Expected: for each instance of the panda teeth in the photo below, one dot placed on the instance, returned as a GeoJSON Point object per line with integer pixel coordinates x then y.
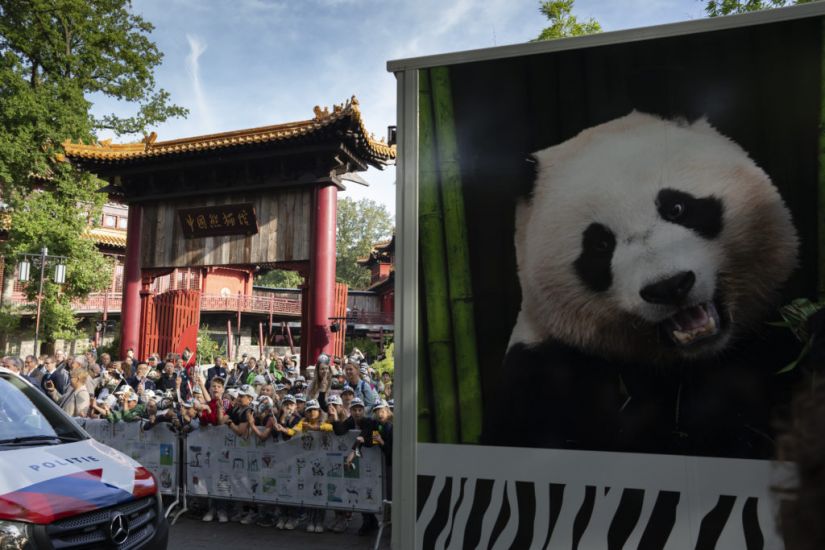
{"type": "Point", "coordinates": [682, 337]}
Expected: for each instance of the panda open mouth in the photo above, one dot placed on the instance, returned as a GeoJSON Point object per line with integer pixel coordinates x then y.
{"type": "Point", "coordinates": [693, 324]}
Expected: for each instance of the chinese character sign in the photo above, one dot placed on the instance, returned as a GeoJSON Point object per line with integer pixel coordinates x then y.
{"type": "Point", "coordinates": [227, 219]}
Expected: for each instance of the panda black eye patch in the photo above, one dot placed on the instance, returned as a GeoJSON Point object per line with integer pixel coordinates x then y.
{"type": "Point", "coordinates": [593, 264]}
{"type": "Point", "coordinates": [704, 215]}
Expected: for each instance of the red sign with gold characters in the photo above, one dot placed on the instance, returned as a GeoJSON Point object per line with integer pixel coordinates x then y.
{"type": "Point", "coordinates": [225, 219]}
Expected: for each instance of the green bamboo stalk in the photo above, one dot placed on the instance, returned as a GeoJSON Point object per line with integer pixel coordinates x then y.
{"type": "Point", "coordinates": [434, 271]}
{"type": "Point", "coordinates": [425, 416]}
{"type": "Point", "coordinates": [458, 252]}
{"type": "Point", "coordinates": [820, 216]}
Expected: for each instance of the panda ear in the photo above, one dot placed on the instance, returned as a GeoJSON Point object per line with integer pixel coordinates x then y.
{"type": "Point", "coordinates": [703, 126]}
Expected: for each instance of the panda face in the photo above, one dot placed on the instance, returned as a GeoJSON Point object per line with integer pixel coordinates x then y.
{"type": "Point", "coordinates": [649, 240]}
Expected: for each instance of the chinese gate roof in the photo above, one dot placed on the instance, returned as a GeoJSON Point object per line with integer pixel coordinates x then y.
{"type": "Point", "coordinates": [344, 122]}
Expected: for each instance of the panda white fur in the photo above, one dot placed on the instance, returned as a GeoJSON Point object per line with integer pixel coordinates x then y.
{"type": "Point", "coordinates": [647, 251]}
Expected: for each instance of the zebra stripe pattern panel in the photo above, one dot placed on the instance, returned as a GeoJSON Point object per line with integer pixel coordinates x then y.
{"type": "Point", "coordinates": [511, 511]}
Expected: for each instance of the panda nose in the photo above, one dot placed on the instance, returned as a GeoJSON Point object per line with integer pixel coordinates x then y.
{"type": "Point", "coordinates": [670, 291]}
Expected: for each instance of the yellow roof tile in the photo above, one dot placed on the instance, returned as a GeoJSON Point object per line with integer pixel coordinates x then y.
{"type": "Point", "coordinates": [107, 236]}
{"type": "Point", "coordinates": [149, 147]}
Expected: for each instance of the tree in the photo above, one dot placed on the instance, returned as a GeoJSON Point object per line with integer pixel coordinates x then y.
{"type": "Point", "coordinates": [278, 278]}
{"type": "Point", "coordinates": [360, 225]}
{"type": "Point", "coordinates": [715, 8]}
{"type": "Point", "coordinates": [54, 56]}
{"type": "Point", "coordinates": [562, 21]}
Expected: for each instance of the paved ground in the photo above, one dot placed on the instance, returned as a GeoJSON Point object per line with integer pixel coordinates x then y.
{"type": "Point", "coordinates": [192, 534]}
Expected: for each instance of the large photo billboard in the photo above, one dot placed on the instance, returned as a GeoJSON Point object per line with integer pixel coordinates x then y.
{"type": "Point", "coordinates": [609, 241]}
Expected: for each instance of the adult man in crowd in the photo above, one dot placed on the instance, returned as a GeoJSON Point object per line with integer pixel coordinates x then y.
{"type": "Point", "coordinates": [60, 377]}
{"type": "Point", "coordinates": [60, 360]}
{"type": "Point", "coordinates": [140, 381]}
{"type": "Point", "coordinates": [168, 379]}
{"type": "Point", "coordinates": [218, 370]}
{"type": "Point", "coordinates": [32, 371]}
{"type": "Point", "coordinates": [362, 389]}
{"type": "Point", "coordinates": [105, 361]}
{"type": "Point", "coordinates": [15, 365]}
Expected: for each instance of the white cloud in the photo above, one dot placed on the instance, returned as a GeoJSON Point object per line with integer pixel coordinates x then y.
{"type": "Point", "coordinates": [203, 113]}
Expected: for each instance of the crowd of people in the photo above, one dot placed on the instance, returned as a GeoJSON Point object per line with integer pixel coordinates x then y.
{"type": "Point", "coordinates": [264, 399]}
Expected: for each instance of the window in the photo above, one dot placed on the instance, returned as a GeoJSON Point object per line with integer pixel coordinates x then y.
{"type": "Point", "coordinates": [109, 221]}
{"type": "Point", "coordinates": [122, 222]}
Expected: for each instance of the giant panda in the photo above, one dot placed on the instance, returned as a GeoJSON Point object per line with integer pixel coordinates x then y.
{"type": "Point", "coordinates": [650, 254]}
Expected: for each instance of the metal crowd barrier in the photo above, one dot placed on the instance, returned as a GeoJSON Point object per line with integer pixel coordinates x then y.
{"type": "Point", "coordinates": [213, 462]}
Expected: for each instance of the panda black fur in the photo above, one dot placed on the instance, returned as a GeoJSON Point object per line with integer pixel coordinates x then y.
{"type": "Point", "coordinates": [650, 254]}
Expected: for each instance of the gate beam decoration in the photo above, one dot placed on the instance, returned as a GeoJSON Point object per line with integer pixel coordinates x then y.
{"type": "Point", "coordinates": [263, 197]}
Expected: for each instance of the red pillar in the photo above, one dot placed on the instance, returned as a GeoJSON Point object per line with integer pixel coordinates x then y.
{"type": "Point", "coordinates": [322, 273]}
{"type": "Point", "coordinates": [130, 309]}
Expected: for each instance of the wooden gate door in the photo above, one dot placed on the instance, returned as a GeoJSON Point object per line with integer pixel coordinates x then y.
{"type": "Point", "coordinates": [169, 322]}
{"type": "Point", "coordinates": [340, 313]}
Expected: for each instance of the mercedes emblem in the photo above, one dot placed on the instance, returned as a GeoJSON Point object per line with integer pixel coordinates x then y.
{"type": "Point", "coordinates": [119, 529]}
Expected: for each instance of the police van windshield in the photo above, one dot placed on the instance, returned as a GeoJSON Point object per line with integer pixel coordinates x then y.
{"type": "Point", "coordinates": [27, 417]}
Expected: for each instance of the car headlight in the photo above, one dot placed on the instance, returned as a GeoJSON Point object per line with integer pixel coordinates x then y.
{"type": "Point", "coordinates": [14, 535]}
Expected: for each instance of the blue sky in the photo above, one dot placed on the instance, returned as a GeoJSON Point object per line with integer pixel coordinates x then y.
{"type": "Point", "coordinates": [244, 63]}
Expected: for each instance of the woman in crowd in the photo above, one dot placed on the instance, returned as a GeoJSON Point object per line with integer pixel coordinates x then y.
{"type": "Point", "coordinates": [76, 401]}
{"type": "Point", "coordinates": [320, 385]}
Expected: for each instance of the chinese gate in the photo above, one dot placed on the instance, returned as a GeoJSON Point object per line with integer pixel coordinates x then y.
{"type": "Point", "coordinates": [263, 198]}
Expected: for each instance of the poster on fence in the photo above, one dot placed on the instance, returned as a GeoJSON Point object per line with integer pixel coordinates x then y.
{"type": "Point", "coordinates": [155, 449]}
{"type": "Point", "coordinates": [307, 470]}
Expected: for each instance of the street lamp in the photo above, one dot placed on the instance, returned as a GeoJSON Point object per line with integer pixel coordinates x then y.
{"type": "Point", "coordinates": [41, 261]}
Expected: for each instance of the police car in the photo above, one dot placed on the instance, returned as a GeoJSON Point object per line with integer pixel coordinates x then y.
{"type": "Point", "coordinates": [59, 488]}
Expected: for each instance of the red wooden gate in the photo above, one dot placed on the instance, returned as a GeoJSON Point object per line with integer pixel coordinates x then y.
{"type": "Point", "coordinates": [169, 322]}
{"type": "Point", "coordinates": [340, 313]}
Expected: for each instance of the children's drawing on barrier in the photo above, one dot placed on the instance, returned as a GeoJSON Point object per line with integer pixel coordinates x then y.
{"type": "Point", "coordinates": [267, 461]}
{"type": "Point", "coordinates": [353, 471]}
{"type": "Point", "coordinates": [332, 493]}
{"type": "Point", "coordinates": [269, 485]}
{"type": "Point", "coordinates": [166, 480]}
{"type": "Point", "coordinates": [336, 466]}
{"type": "Point", "coordinates": [166, 454]}
{"type": "Point", "coordinates": [223, 486]}
{"type": "Point", "coordinates": [283, 472]}
{"type": "Point", "coordinates": [352, 493]}
{"type": "Point", "coordinates": [195, 454]}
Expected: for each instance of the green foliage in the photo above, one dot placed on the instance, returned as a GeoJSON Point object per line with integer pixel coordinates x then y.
{"type": "Point", "coordinates": [795, 318]}
{"type": "Point", "coordinates": [54, 56]}
{"type": "Point", "coordinates": [366, 345]}
{"type": "Point", "coordinates": [715, 8]}
{"type": "Point", "coordinates": [388, 363]}
{"type": "Point", "coordinates": [360, 225]}
{"type": "Point", "coordinates": [9, 322]}
{"type": "Point", "coordinates": [562, 21]}
{"type": "Point", "coordinates": [113, 348]}
{"type": "Point", "coordinates": [278, 278]}
{"type": "Point", "coordinates": [208, 349]}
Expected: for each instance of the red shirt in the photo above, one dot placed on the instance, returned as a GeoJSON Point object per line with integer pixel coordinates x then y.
{"type": "Point", "coordinates": [211, 416]}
